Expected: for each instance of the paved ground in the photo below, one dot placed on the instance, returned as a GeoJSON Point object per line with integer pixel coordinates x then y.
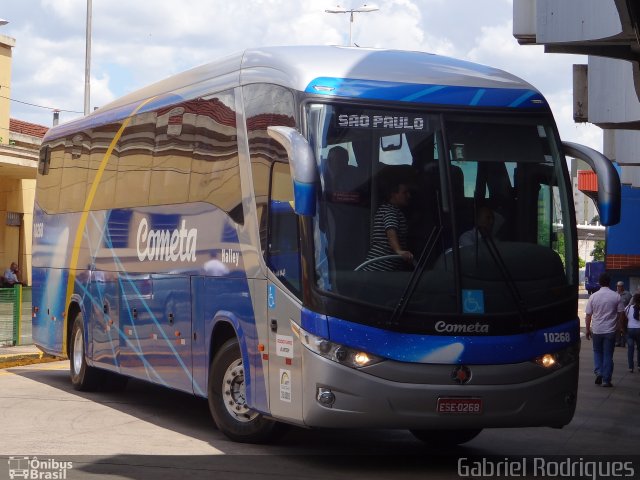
{"type": "Point", "coordinates": [23, 355]}
{"type": "Point", "coordinates": [149, 432]}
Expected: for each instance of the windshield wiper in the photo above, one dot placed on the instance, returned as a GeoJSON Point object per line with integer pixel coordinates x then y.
{"type": "Point", "coordinates": [511, 285]}
{"type": "Point", "coordinates": [415, 276]}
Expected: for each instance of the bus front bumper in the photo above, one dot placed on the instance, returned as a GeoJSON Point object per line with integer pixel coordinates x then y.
{"type": "Point", "coordinates": [514, 395]}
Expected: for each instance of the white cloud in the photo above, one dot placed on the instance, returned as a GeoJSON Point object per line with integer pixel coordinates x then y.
{"type": "Point", "coordinates": [549, 73]}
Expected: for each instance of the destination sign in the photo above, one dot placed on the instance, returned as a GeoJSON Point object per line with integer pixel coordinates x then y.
{"type": "Point", "coordinates": [381, 121]}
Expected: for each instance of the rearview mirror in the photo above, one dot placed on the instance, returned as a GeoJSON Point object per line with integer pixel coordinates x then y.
{"type": "Point", "coordinates": [608, 194]}
{"type": "Point", "coordinates": [302, 165]}
{"type": "Point", "coordinates": [391, 142]}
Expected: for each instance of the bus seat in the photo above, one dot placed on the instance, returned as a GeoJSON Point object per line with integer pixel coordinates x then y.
{"type": "Point", "coordinates": [463, 206]}
{"type": "Point", "coordinates": [347, 211]}
{"type": "Point", "coordinates": [341, 178]}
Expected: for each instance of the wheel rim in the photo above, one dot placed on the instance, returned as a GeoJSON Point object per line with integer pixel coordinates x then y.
{"type": "Point", "coordinates": [234, 393]}
{"type": "Point", "coordinates": [78, 351]}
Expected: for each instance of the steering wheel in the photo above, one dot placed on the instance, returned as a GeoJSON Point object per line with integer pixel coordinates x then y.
{"type": "Point", "coordinates": [377, 259]}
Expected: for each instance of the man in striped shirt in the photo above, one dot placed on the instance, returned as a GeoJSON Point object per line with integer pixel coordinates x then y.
{"type": "Point", "coordinates": [389, 233]}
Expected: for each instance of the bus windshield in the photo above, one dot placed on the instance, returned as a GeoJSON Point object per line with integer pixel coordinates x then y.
{"type": "Point", "coordinates": [478, 204]}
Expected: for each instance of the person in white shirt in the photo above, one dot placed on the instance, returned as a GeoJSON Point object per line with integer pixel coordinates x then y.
{"type": "Point", "coordinates": [632, 312]}
{"type": "Point", "coordinates": [485, 220]}
{"type": "Point", "coordinates": [603, 319]}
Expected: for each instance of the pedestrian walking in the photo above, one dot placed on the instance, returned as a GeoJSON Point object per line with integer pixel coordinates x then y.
{"type": "Point", "coordinates": [625, 295]}
{"type": "Point", "coordinates": [603, 319]}
{"type": "Point", "coordinates": [632, 313]}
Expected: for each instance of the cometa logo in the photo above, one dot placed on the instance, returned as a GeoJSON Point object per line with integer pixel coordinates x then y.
{"type": "Point", "coordinates": [443, 327]}
{"type": "Point", "coordinates": [165, 244]}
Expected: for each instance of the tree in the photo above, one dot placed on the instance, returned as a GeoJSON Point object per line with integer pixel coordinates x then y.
{"type": "Point", "coordinates": [598, 251]}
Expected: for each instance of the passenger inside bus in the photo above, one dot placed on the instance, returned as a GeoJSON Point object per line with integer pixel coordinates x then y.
{"type": "Point", "coordinates": [484, 223]}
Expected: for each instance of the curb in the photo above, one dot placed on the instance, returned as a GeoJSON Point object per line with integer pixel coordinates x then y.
{"type": "Point", "coordinates": [18, 360]}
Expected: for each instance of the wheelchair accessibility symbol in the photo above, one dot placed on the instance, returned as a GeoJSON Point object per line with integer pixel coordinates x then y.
{"type": "Point", "coordinates": [271, 296]}
{"type": "Point", "coordinates": [472, 301]}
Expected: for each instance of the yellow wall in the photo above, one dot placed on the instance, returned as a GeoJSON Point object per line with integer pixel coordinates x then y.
{"type": "Point", "coordinates": [16, 195]}
{"type": "Point", "coordinates": [6, 44]}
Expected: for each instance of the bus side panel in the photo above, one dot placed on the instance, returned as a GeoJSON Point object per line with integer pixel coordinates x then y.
{"type": "Point", "coordinates": [47, 327]}
{"type": "Point", "coordinates": [102, 320]}
{"type": "Point", "coordinates": [229, 299]}
{"type": "Point", "coordinates": [201, 342]}
{"type": "Point", "coordinates": [170, 320]}
{"type": "Point", "coordinates": [52, 240]}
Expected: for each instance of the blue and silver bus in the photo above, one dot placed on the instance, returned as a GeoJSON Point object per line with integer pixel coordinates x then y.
{"type": "Point", "coordinates": [199, 234]}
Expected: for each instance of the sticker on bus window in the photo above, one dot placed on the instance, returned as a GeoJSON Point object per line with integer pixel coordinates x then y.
{"type": "Point", "coordinates": [284, 346]}
{"type": "Point", "coordinates": [285, 385]}
{"type": "Point", "coordinates": [472, 301]}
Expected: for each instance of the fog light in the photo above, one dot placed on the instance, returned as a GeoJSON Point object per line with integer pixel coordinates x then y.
{"type": "Point", "coordinates": [326, 397]}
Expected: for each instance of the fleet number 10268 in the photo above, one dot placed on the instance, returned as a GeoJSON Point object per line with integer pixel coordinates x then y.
{"type": "Point", "coordinates": [557, 337]}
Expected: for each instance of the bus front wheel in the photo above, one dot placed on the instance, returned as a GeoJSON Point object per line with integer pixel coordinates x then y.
{"type": "Point", "coordinates": [445, 438]}
{"type": "Point", "coordinates": [83, 377]}
{"type": "Point", "coordinates": [227, 400]}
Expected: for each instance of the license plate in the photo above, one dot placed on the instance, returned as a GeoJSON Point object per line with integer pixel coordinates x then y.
{"type": "Point", "coordinates": [460, 406]}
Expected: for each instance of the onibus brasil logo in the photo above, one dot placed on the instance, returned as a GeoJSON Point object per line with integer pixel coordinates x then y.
{"type": "Point", "coordinates": [32, 468]}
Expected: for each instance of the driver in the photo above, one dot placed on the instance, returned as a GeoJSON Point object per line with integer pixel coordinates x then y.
{"type": "Point", "coordinates": [389, 232]}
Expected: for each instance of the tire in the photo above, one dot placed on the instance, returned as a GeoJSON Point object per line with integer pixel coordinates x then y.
{"type": "Point", "coordinates": [83, 377]}
{"type": "Point", "coordinates": [445, 438]}
{"type": "Point", "coordinates": [226, 394]}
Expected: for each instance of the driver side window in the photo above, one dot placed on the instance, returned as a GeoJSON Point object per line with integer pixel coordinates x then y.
{"type": "Point", "coordinates": [283, 245]}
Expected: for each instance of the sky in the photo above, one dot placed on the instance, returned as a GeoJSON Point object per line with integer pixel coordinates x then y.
{"type": "Point", "coordinates": [138, 42]}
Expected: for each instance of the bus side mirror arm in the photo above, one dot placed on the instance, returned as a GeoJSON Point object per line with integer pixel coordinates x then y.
{"type": "Point", "coordinates": [302, 165]}
{"type": "Point", "coordinates": [608, 180]}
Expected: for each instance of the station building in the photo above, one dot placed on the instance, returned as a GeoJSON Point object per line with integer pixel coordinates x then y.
{"type": "Point", "coordinates": [606, 92]}
{"type": "Point", "coordinates": [19, 145]}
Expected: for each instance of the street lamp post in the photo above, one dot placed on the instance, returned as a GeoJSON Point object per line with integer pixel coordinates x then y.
{"type": "Point", "coordinates": [363, 9]}
{"type": "Point", "coordinates": [87, 63]}
{"type": "Point", "coordinates": [586, 245]}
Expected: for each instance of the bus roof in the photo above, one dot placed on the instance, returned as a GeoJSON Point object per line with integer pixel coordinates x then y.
{"type": "Point", "coordinates": [351, 72]}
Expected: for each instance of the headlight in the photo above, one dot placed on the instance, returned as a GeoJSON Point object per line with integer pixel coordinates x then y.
{"type": "Point", "coordinates": [560, 358]}
{"type": "Point", "coordinates": [336, 352]}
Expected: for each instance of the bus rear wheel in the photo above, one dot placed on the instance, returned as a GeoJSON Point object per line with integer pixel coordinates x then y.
{"type": "Point", "coordinates": [83, 377]}
{"type": "Point", "coordinates": [227, 400]}
{"type": "Point", "coordinates": [445, 438]}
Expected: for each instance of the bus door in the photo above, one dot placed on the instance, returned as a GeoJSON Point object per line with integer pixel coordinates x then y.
{"type": "Point", "coordinates": [283, 303]}
{"type": "Point", "coordinates": [285, 357]}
